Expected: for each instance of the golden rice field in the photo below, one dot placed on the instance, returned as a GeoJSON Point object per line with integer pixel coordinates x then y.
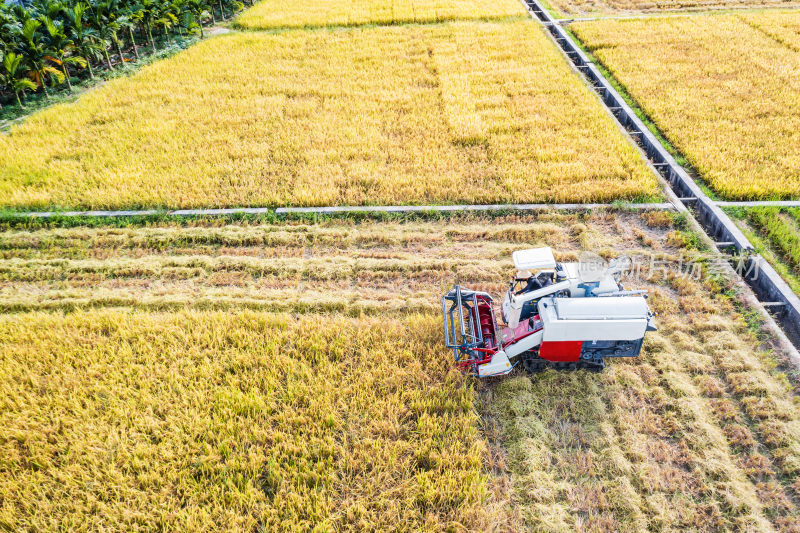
{"type": "Point", "coordinates": [167, 405]}
{"type": "Point", "coordinates": [460, 113]}
{"type": "Point", "coordinates": [570, 8]}
{"type": "Point", "coordinates": [136, 421]}
{"type": "Point", "coordinates": [781, 26]}
{"type": "Point", "coordinates": [731, 110]}
{"type": "Point", "coordinates": [269, 14]}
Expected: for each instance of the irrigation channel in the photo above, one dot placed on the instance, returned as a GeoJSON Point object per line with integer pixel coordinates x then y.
{"type": "Point", "coordinates": [773, 292]}
{"type": "Point", "coordinates": [379, 209]}
{"type": "Point", "coordinates": [338, 210]}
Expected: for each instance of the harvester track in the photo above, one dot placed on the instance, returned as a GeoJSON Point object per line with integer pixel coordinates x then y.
{"type": "Point", "coordinates": [532, 363]}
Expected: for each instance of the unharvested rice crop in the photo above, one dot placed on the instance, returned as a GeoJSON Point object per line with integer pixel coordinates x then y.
{"type": "Point", "coordinates": [733, 111]}
{"type": "Point", "coordinates": [136, 421]}
{"type": "Point", "coordinates": [269, 14]}
{"type": "Point", "coordinates": [454, 113]}
{"type": "Point", "coordinates": [200, 418]}
{"type": "Point", "coordinates": [781, 26]}
{"type": "Point", "coordinates": [599, 7]}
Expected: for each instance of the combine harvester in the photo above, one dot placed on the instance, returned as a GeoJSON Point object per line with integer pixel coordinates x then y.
{"type": "Point", "coordinates": [556, 315]}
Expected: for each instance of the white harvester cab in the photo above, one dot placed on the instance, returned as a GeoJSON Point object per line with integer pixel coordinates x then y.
{"type": "Point", "coordinates": [587, 278]}
{"type": "Point", "coordinates": [534, 259]}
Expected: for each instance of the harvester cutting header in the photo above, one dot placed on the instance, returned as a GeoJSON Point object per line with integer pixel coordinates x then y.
{"type": "Point", "coordinates": [555, 315]}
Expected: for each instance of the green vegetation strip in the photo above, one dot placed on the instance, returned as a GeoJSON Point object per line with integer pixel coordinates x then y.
{"type": "Point", "coordinates": [330, 209]}
{"type": "Point", "coordinates": [782, 231]}
{"type": "Point", "coordinates": [368, 209]}
{"type": "Point", "coordinates": [778, 229]}
{"type": "Point", "coordinates": [770, 255]}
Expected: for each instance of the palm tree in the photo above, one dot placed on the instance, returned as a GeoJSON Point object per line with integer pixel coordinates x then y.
{"type": "Point", "coordinates": [149, 16]}
{"type": "Point", "coordinates": [166, 21]}
{"type": "Point", "coordinates": [127, 22]}
{"type": "Point", "coordinates": [113, 11]}
{"type": "Point", "coordinates": [51, 35]}
{"type": "Point", "coordinates": [100, 24]}
{"type": "Point", "coordinates": [210, 9]}
{"type": "Point", "coordinates": [15, 77]}
{"type": "Point", "coordinates": [177, 9]}
{"type": "Point", "coordinates": [186, 18]}
{"type": "Point", "coordinates": [37, 54]}
{"type": "Point", "coordinates": [198, 10]}
{"type": "Point", "coordinates": [9, 27]}
{"type": "Point", "coordinates": [133, 15]}
{"type": "Point", "coordinates": [84, 37]}
{"type": "Point", "coordinates": [60, 45]}
{"type": "Point", "coordinates": [113, 31]}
